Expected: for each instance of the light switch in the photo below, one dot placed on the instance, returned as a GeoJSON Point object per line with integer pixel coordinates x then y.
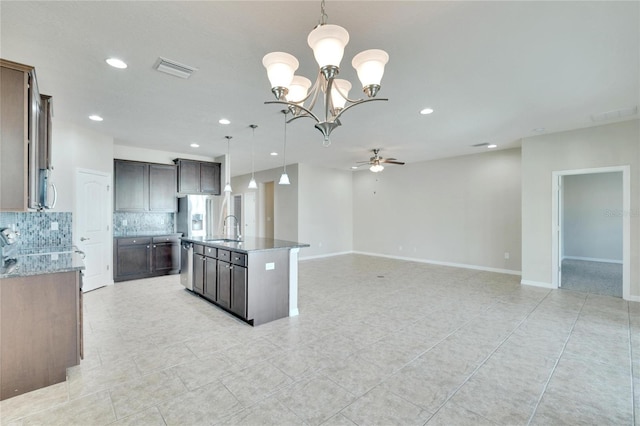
{"type": "Point", "coordinates": [270, 266]}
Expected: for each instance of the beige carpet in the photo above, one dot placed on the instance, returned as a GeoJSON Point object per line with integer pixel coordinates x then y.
{"type": "Point", "coordinates": [592, 277]}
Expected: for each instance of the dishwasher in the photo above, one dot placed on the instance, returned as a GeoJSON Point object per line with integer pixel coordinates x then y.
{"type": "Point", "coordinates": [186, 258]}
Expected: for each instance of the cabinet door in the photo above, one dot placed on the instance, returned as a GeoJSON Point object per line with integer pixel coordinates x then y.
{"type": "Point", "coordinates": [210, 276]}
{"type": "Point", "coordinates": [198, 273]}
{"type": "Point", "coordinates": [131, 186]}
{"type": "Point", "coordinates": [133, 260]}
{"type": "Point", "coordinates": [210, 178]}
{"type": "Point", "coordinates": [239, 290]}
{"type": "Point", "coordinates": [166, 257]}
{"type": "Point", "coordinates": [162, 188]}
{"type": "Point", "coordinates": [224, 284]}
{"type": "Point", "coordinates": [189, 177]}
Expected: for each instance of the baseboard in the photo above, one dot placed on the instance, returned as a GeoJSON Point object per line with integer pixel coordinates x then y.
{"type": "Point", "coordinates": [440, 263]}
{"type": "Point", "coordinates": [322, 256]}
{"type": "Point", "coordinates": [537, 284]}
{"type": "Point", "coordinates": [592, 259]}
{"type": "Point", "coordinates": [633, 298]}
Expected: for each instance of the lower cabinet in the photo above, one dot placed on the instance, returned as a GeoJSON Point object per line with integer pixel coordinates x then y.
{"type": "Point", "coordinates": [198, 272]}
{"type": "Point", "coordinates": [210, 275]}
{"type": "Point", "coordinates": [142, 257]}
{"type": "Point", "coordinates": [224, 284]}
{"type": "Point", "coordinates": [239, 291]}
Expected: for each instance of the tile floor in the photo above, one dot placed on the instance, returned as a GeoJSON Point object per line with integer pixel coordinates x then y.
{"type": "Point", "coordinates": [378, 342]}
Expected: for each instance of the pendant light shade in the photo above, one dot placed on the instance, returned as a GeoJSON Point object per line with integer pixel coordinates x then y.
{"type": "Point", "coordinates": [328, 42]}
{"type": "Point", "coordinates": [252, 183]}
{"type": "Point", "coordinates": [284, 178]}
{"type": "Point", "coordinates": [227, 186]}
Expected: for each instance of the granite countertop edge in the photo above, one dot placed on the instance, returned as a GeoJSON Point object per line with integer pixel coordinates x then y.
{"type": "Point", "coordinates": [45, 262]}
{"type": "Point", "coordinates": [247, 245]}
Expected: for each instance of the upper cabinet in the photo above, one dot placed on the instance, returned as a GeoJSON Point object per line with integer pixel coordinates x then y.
{"type": "Point", "coordinates": [198, 177]}
{"type": "Point", "coordinates": [25, 124]}
{"type": "Point", "coordinates": [143, 187]}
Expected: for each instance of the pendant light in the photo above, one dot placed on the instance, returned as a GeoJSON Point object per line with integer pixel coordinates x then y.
{"type": "Point", "coordinates": [284, 179]}
{"type": "Point", "coordinates": [227, 186]}
{"type": "Point", "coordinates": [252, 182]}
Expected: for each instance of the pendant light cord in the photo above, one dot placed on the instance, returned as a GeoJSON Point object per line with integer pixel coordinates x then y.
{"type": "Point", "coordinates": [253, 136]}
{"type": "Point", "coordinates": [284, 151]}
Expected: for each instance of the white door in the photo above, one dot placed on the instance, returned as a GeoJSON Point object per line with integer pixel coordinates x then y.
{"type": "Point", "coordinates": [93, 227]}
{"type": "Point", "coordinates": [250, 214]}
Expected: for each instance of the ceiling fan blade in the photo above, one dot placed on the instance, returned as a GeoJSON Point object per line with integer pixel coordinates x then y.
{"type": "Point", "coordinates": [363, 162]}
{"type": "Point", "coordinates": [393, 162]}
{"type": "Point", "coordinates": [391, 159]}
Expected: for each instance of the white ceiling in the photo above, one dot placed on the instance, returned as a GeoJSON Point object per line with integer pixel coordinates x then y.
{"type": "Point", "coordinates": [493, 72]}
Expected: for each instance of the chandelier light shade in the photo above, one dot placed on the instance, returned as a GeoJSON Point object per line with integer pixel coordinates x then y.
{"type": "Point", "coordinates": [328, 42]}
{"type": "Point", "coordinates": [252, 183]}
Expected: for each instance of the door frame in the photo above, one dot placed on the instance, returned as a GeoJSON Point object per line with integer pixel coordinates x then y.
{"type": "Point", "coordinates": [556, 211]}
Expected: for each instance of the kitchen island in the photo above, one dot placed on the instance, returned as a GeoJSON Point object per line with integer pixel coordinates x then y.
{"type": "Point", "coordinates": [40, 319]}
{"type": "Point", "coordinates": [255, 279]}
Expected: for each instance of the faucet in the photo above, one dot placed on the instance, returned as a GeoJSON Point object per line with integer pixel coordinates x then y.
{"type": "Point", "coordinates": [224, 226]}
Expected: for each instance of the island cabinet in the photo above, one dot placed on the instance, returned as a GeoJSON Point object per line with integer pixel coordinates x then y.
{"type": "Point", "coordinates": [144, 187]}
{"type": "Point", "coordinates": [253, 286]}
{"type": "Point", "coordinates": [142, 257]}
{"type": "Point", "coordinates": [198, 177]}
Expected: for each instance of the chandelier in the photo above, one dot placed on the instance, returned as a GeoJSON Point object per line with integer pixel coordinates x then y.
{"type": "Point", "coordinates": [328, 42]}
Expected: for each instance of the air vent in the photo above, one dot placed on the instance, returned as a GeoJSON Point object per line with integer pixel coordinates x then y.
{"type": "Point", "coordinates": [480, 144]}
{"type": "Point", "coordinates": [614, 115]}
{"type": "Point", "coordinates": [174, 68]}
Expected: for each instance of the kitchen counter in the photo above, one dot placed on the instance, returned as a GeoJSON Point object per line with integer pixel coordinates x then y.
{"type": "Point", "coordinates": [143, 234]}
{"type": "Point", "coordinates": [43, 261]}
{"type": "Point", "coordinates": [247, 244]}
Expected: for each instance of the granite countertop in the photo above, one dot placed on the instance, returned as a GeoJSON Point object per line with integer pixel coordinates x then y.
{"type": "Point", "coordinates": [143, 234]}
{"type": "Point", "coordinates": [247, 244]}
{"type": "Point", "coordinates": [42, 261]}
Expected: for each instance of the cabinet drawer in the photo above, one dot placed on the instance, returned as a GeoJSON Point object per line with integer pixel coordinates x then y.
{"type": "Point", "coordinates": [238, 258]}
{"type": "Point", "coordinates": [224, 255]}
{"type": "Point", "coordinates": [198, 248]}
{"type": "Point", "coordinates": [166, 239]}
{"type": "Point", "coordinates": [133, 241]}
{"type": "Point", "coordinates": [210, 251]}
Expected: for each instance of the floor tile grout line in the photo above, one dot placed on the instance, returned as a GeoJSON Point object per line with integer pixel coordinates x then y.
{"type": "Point", "coordinates": [455, 391]}
{"type": "Point", "coordinates": [555, 365]}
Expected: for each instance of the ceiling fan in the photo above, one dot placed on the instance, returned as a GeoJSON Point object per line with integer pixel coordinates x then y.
{"type": "Point", "coordinates": [376, 162]}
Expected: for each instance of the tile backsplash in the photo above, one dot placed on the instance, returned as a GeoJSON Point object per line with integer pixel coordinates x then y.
{"type": "Point", "coordinates": [35, 229]}
{"type": "Point", "coordinates": [125, 224]}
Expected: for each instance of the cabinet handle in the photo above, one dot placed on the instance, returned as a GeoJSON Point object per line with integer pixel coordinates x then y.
{"type": "Point", "coordinates": [230, 267]}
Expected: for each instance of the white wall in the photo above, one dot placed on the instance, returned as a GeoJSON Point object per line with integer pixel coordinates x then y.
{"type": "Point", "coordinates": [462, 210]}
{"type": "Point", "coordinates": [77, 147]}
{"type": "Point", "coordinates": [592, 229]}
{"type": "Point", "coordinates": [325, 210]}
{"type": "Point", "coordinates": [602, 146]}
{"type": "Point", "coordinates": [285, 210]}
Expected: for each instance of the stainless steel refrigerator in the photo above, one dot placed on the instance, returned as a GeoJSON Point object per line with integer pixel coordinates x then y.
{"type": "Point", "coordinates": [192, 216]}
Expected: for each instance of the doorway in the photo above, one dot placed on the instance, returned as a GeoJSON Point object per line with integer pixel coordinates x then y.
{"type": "Point", "coordinates": [591, 240]}
{"type": "Point", "coordinates": [93, 227]}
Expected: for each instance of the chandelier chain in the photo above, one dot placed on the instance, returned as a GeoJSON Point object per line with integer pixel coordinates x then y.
{"type": "Point", "coordinates": [323, 14]}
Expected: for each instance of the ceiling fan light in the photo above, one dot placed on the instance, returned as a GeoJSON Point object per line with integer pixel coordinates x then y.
{"type": "Point", "coordinates": [284, 179]}
{"type": "Point", "coordinates": [377, 167]}
{"type": "Point", "coordinates": [280, 68]}
{"type": "Point", "coordinates": [298, 89]}
{"type": "Point", "coordinates": [370, 66]}
{"type": "Point", "coordinates": [328, 42]}
{"type": "Point", "coordinates": [336, 98]}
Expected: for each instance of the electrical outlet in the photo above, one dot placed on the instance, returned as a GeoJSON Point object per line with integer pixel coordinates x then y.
{"type": "Point", "coordinates": [54, 226]}
{"type": "Point", "coordinates": [400, 248]}
{"type": "Point", "coordinates": [124, 222]}
{"type": "Point", "coordinates": [506, 255]}
{"type": "Point", "coordinates": [54, 256]}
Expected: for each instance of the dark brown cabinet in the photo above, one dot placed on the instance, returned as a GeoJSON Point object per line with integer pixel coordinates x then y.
{"type": "Point", "coordinates": [198, 177]}
{"type": "Point", "coordinates": [141, 257]}
{"type": "Point", "coordinates": [239, 291]}
{"type": "Point", "coordinates": [198, 273]}
{"type": "Point", "coordinates": [141, 187]}
{"type": "Point", "coordinates": [210, 276]}
{"type": "Point", "coordinates": [224, 284]}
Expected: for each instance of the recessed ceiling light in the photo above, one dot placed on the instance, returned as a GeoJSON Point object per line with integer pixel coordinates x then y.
{"type": "Point", "coordinates": [116, 63]}
{"type": "Point", "coordinates": [224, 121]}
{"type": "Point", "coordinates": [426, 111]}
{"type": "Point", "coordinates": [354, 167]}
{"type": "Point", "coordinates": [539, 129]}
{"type": "Point", "coordinates": [194, 145]}
{"type": "Point", "coordinates": [95, 118]}
{"type": "Point", "coordinates": [274, 153]}
{"type": "Point", "coordinates": [493, 145]}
